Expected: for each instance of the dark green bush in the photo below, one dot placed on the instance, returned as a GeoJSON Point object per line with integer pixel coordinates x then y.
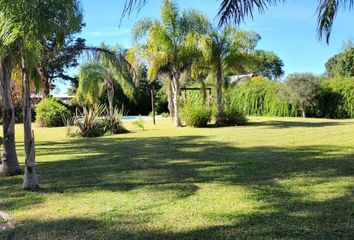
{"type": "Point", "coordinates": [51, 112]}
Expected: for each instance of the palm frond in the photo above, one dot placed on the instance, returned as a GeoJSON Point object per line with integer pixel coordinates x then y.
{"type": "Point", "coordinates": [140, 29]}
{"type": "Point", "coordinates": [132, 5]}
{"type": "Point", "coordinates": [237, 10]}
{"type": "Point", "coordinates": [327, 11]}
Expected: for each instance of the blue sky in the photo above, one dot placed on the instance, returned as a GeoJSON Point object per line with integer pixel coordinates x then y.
{"type": "Point", "coordinates": [289, 29]}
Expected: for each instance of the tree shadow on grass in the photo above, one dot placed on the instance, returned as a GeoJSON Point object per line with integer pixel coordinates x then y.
{"type": "Point", "coordinates": [294, 219]}
{"type": "Point", "coordinates": [179, 165]}
{"type": "Point", "coordinates": [299, 123]}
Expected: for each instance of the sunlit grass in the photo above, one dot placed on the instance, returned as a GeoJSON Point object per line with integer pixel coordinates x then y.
{"type": "Point", "coordinates": [277, 178]}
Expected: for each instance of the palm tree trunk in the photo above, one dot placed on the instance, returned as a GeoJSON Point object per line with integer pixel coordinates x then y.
{"type": "Point", "coordinates": [219, 111]}
{"type": "Point", "coordinates": [30, 180]}
{"type": "Point", "coordinates": [9, 164]}
{"type": "Point", "coordinates": [170, 99]}
{"type": "Point", "coordinates": [176, 89]}
{"type": "Point", "coordinates": [204, 93]}
{"type": "Point", "coordinates": [110, 95]}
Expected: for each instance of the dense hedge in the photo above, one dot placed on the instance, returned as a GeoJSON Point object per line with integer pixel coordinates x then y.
{"type": "Point", "coordinates": [260, 98]}
{"type": "Point", "coordinates": [335, 99]}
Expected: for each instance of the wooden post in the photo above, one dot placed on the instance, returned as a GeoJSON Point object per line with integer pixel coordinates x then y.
{"type": "Point", "coordinates": [153, 106]}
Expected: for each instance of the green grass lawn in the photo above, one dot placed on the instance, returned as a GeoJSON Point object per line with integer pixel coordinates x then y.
{"type": "Point", "coordinates": [277, 178]}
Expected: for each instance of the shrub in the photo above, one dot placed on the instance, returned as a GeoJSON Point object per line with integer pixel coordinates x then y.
{"type": "Point", "coordinates": [51, 113]}
{"type": "Point", "coordinates": [196, 115]}
{"type": "Point", "coordinates": [91, 124]}
{"type": "Point", "coordinates": [117, 124]}
{"type": "Point", "coordinates": [233, 116]}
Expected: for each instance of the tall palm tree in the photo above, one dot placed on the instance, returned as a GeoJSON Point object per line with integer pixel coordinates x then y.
{"type": "Point", "coordinates": [9, 163]}
{"type": "Point", "coordinates": [237, 10]}
{"type": "Point", "coordinates": [227, 51]}
{"type": "Point", "coordinates": [34, 21]}
{"type": "Point", "coordinates": [167, 44]}
{"type": "Point", "coordinates": [101, 73]}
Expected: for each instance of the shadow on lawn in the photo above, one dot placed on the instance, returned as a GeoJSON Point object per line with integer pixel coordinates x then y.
{"type": "Point", "coordinates": [302, 124]}
{"type": "Point", "coordinates": [294, 219]}
{"type": "Point", "coordinates": [179, 164]}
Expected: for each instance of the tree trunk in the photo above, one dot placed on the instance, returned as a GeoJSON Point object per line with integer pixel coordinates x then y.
{"type": "Point", "coordinates": [30, 180]}
{"type": "Point", "coordinates": [175, 91]}
{"type": "Point", "coordinates": [45, 83]}
{"type": "Point", "coordinates": [303, 111]}
{"type": "Point", "coordinates": [204, 93]}
{"type": "Point", "coordinates": [170, 99]}
{"type": "Point", "coordinates": [219, 112]}
{"type": "Point", "coordinates": [10, 165]}
{"type": "Point", "coordinates": [110, 93]}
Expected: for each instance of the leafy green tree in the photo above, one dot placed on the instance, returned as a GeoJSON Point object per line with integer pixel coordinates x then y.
{"type": "Point", "coordinates": [237, 10]}
{"type": "Point", "coordinates": [100, 74]}
{"type": "Point", "coordinates": [268, 65]}
{"type": "Point", "coordinates": [300, 89]}
{"type": "Point", "coordinates": [56, 58]}
{"type": "Point", "coordinates": [168, 43]}
{"type": "Point", "coordinates": [227, 51]}
{"type": "Point", "coordinates": [34, 21]}
{"type": "Point", "coordinates": [342, 64]}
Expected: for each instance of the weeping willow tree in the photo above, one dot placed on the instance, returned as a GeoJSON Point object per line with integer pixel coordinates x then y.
{"type": "Point", "coordinates": [166, 44]}
{"type": "Point", "coordinates": [336, 98]}
{"type": "Point", "coordinates": [101, 74]}
{"type": "Point", "coordinates": [260, 98]}
{"type": "Point", "coordinates": [235, 11]}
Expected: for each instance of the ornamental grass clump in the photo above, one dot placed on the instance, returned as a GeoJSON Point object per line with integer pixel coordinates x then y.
{"type": "Point", "coordinates": [92, 122]}
{"type": "Point", "coordinates": [116, 125]}
{"type": "Point", "coordinates": [233, 116]}
{"type": "Point", "coordinates": [196, 114]}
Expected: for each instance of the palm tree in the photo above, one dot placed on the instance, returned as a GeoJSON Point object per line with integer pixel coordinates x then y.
{"type": "Point", "coordinates": [227, 51]}
{"type": "Point", "coordinates": [101, 73]}
{"type": "Point", "coordinates": [168, 44]}
{"type": "Point", "coordinates": [237, 10]}
{"type": "Point", "coordinates": [34, 21]}
{"type": "Point", "coordinates": [9, 163]}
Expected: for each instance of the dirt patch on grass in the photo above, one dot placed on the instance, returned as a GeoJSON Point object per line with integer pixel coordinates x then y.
{"type": "Point", "coordinates": [5, 221]}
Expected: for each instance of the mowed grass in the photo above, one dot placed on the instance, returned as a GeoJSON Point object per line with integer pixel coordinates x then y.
{"type": "Point", "coordinates": [277, 178]}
